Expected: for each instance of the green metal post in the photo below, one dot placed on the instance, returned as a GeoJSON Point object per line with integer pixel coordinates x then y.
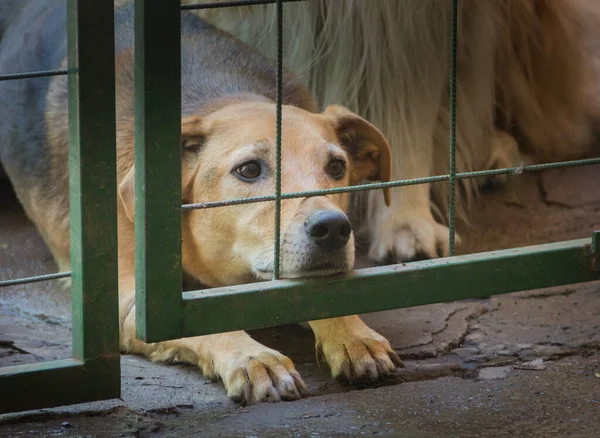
{"type": "Point", "coordinates": [92, 159]}
{"type": "Point", "coordinates": [94, 372]}
{"type": "Point", "coordinates": [596, 251]}
{"type": "Point", "coordinates": [158, 169]}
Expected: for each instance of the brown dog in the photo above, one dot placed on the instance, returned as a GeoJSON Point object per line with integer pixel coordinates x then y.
{"type": "Point", "coordinates": [228, 151]}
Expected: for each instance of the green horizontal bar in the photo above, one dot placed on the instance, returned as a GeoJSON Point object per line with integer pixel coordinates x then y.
{"type": "Point", "coordinates": [57, 383]}
{"type": "Point", "coordinates": [369, 290]}
{"type": "Point", "coordinates": [398, 183]}
{"type": "Point", "coordinates": [37, 278]}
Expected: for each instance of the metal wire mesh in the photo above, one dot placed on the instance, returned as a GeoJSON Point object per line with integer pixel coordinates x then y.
{"type": "Point", "coordinates": [452, 164]}
{"type": "Point", "coordinates": [279, 102]}
{"type": "Point", "coordinates": [31, 75]}
{"type": "Point", "coordinates": [34, 74]}
{"type": "Point", "coordinates": [219, 5]}
{"type": "Point", "coordinates": [34, 279]}
{"type": "Point", "coordinates": [397, 183]}
{"type": "Point", "coordinates": [451, 177]}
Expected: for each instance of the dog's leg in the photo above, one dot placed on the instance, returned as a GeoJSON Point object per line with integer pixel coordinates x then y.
{"type": "Point", "coordinates": [407, 111]}
{"type": "Point", "coordinates": [407, 230]}
{"type": "Point", "coordinates": [250, 371]}
{"type": "Point", "coordinates": [353, 350]}
{"type": "Point", "coordinates": [419, 135]}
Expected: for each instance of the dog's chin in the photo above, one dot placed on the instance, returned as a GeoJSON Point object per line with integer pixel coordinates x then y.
{"type": "Point", "coordinates": [264, 274]}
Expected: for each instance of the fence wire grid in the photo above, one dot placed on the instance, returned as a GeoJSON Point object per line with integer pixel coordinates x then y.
{"type": "Point", "coordinates": [451, 177]}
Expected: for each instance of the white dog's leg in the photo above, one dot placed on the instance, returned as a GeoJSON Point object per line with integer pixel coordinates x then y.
{"type": "Point", "coordinates": [407, 229]}
{"type": "Point", "coordinates": [420, 137]}
{"type": "Point", "coordinates": [405, 95]}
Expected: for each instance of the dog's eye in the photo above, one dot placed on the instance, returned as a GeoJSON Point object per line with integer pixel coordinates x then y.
{"type": "Point", "coordinates": [248, 171]}
{"type": "Point", "coordinates": [337, 169]}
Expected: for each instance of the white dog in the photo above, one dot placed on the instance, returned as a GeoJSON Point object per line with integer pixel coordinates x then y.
{"type": "Point", "coordinates": [526, 83]}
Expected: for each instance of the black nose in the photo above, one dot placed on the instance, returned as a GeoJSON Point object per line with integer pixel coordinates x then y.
{"type": "Point", "coordinates": [328, 229]}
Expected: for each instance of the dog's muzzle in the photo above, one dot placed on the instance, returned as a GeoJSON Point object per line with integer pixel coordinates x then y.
{"type": "Point", "coordinates": [316, 247]}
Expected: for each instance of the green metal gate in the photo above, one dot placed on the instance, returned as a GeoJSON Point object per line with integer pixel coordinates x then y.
{"type": "Point", "coordinates": [163, 312]}
{"type": "Point", "coordinates": [241, 307]}
{"type": "Point", "coordinates": [94, 371]}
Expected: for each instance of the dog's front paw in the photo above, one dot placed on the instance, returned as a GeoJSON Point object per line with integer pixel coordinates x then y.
{"type": "Point", "coordinates": [250, 371]}
{"type": "Point", "coordinates": [264, 376]}
{"type": "Point", "coordinates": [355, 352]}
{"type": "Point", "coordinates": [404, 238]}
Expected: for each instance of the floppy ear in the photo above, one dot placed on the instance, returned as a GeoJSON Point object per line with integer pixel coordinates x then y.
{"type": "Point", "coordinates": [371, 155]}
{"type": "Point", "coordinates": [193, 135]}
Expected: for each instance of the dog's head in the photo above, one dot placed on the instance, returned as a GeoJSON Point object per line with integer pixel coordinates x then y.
{"type": "Point", "coordinates": [231, 153]}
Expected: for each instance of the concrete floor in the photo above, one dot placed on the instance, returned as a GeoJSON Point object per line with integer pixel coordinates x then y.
{"type": "Point", "coordinates": [525, 364]}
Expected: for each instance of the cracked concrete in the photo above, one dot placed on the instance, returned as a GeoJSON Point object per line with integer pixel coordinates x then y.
{"type": "Point", "coordinates": [518, 364]}
{"type": "Point", "coordinates": [426, 331]}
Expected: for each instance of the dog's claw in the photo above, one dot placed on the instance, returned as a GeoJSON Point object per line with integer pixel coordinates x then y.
{"type": "Point", "coordinates": [396, 359]}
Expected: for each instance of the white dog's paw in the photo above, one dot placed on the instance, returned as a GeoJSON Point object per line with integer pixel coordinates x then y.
{"type": "Point", "coordinates": [267, 376]}
{"type": "Point", "coordinates": [360, 356]}
{"type": "Point", "coordinates": [400, 239]}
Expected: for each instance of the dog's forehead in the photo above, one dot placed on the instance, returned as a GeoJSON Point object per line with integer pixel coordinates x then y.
{"type": "Point", "coordinates": [254, 123]}
{"type": "Point", "coordinates": [262, 116]}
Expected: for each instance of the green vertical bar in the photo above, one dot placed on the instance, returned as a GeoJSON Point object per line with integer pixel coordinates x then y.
{"type": "Point", "coordinates": [596, 251]}
{"type": "Point", "coordinates": [452, 170]}
{"type": "Point", "coordinates": [92, 172]}
{"type": "Point", "coordinates": [279, 102]}
{"type": "Point", "coordinates": [158, 169]}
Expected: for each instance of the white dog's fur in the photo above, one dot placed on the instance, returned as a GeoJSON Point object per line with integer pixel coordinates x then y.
{"type": "Point", "coordinates": [525, 84]}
